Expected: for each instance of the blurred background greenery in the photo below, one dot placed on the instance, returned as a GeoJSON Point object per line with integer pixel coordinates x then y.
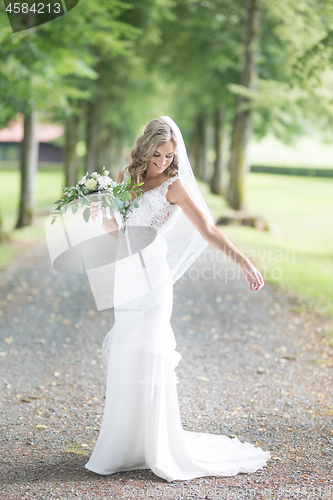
{"type": "Point", "coordinates": [250, 84]}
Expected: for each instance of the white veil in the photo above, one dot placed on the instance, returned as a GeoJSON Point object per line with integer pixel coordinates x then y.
{"type": "Point", "coordinates": [185, 243]}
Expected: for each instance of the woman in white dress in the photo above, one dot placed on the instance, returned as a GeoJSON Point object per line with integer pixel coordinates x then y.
{"type": "Point", "coordinates": [141, 426]}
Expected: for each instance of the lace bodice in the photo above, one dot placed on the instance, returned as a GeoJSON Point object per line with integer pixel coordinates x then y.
{"type": "Point", "coordinates": [154, 209]}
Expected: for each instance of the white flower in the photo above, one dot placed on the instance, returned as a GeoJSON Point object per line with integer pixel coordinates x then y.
{"type": "Point", "coordinates": [108, 180]}
{"type": "Point", "coordinates": [83, 180]}
{"type": "Point", "coordinates": [103, 181]}
{"type": "Point", "coordinates": [106, 172]}
{"type": "Point", "coordinates": [95, 175]}
{"type": "Point", "coordinates": [91, 183]}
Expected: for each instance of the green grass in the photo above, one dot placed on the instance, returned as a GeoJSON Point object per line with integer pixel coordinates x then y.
{"type": "Point", "coordinates": [48, 190]}
{"type": "Point", "coordinates": [42, 165]}
{"type": "Point", "coordinates": [307, 151]}
{"type": "Point", "coordinates": [297, 252]}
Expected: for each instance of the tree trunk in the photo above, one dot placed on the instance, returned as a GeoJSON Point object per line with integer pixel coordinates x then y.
{"type": "Point", "coordinates": [28, 167]}
{"type": "Point", "coordinates": [110, 154]}
{"type": "Point", "coordinates": [71, 160]}
{"type": "Point", "coordinates": [119, 152]}
{"type": "Point", "coordinates": [218, 181]}
{"type": "Point", "coordinates": [92, 136]}
{"type": "Point", "coordinates": [241, 132]}
{"type": "Point", "coordinates": [199, 142]}
{"type": "Point", "coordinates": [103, 158]}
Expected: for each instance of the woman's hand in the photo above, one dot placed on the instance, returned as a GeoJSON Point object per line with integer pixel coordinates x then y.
{"type": "Point", "coordinates": [94, 209]}
{"type": "Point", "coordinates": [109, 225]}
{"type": "Point", "coordinates": [252, 276]}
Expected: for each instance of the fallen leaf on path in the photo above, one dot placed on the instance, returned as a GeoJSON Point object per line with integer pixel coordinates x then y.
{"type": "Point", "coordinates": [186, 317]}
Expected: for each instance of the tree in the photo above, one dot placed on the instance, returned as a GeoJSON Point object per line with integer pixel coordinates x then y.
{"type": "Point", "coordinates": [28, 168]}
{"type": "Point", "coordinates": [70, 156]}
{"type": "Point", "coordinates": [41, 68]}
{"type": "Point", "coordinates": [199, 52]}
{"type": "Point", "coordinates": [243, 116]}
{"type": "Point", "coordinates": [218, 180]}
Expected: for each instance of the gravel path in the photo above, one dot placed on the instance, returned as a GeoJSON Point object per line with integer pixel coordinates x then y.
{"type": "Point", "coordinates": [252, 366]}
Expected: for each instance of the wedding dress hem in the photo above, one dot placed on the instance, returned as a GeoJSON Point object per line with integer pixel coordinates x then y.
{"type": "Point", "coordinates": [241, 470]}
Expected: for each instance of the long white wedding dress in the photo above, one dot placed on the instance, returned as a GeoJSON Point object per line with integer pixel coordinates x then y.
{"type": "Point", "coordinates": [141, 426]}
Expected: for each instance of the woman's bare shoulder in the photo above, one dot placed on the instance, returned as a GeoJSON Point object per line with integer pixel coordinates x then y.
{"type": "Point", "coordinates": [120, 176]}
{"type": "Point", "coordinates": [175, 191]}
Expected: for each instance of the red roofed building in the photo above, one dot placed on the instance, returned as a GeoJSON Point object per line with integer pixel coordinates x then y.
{"type": "Point", "coordinates": [11, 138]}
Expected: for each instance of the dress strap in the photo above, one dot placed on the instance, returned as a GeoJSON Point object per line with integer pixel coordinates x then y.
{"type": "Point", "coordinates": [168, 182]}
{"type": "Point", "coordinates": [126, 175]}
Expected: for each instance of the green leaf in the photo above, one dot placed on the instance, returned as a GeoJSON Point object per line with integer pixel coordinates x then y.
{"type": "Point", "coordinates": [75, 208]}
{"type": "Point", "coordinates": [86, 214]}
{"type": "Point", "coordinates": [63, 209]}
{"type": "Point", "coordinates": [128, 196]}
{"type": "Point", "coordinates": [136, 204]}
{"type": "Point", "coordinates": [87, 200]}
{"type": "Point", "coordinates": [85, 190]}
{"type": "Point", "coordinates": [52, 221]}
{"type": "Point", "coordinates": [99, 196]}
{"type": "Point", "coordinates": [120, 204]}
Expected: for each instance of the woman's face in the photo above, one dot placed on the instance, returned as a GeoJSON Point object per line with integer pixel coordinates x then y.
{"type": "Point", "coordinates": [162, 157]}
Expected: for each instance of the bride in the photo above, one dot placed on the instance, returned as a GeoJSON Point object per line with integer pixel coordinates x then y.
{"type": "Point", "coordinates": [141, 426]}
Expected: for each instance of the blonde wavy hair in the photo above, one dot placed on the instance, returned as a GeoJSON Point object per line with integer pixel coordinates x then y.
{"type": "Point", "coordinates": [156, 133]}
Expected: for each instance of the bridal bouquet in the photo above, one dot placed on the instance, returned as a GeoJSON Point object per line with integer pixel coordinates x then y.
{"type": "Point", "coordinates": [107, 193]}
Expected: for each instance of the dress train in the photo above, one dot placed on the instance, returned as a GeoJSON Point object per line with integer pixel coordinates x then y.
{"type": "Point", "coordinates": [141, 426]}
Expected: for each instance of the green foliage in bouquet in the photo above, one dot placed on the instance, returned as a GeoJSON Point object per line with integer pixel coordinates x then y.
{"type": "Point", "coordinates": [116, 196]}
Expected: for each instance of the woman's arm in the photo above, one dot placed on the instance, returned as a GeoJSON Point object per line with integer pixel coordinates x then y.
{"type": "Point", "coordinates": [177, 195]}
{"type": "Point", "coordinates": [109, 225]}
